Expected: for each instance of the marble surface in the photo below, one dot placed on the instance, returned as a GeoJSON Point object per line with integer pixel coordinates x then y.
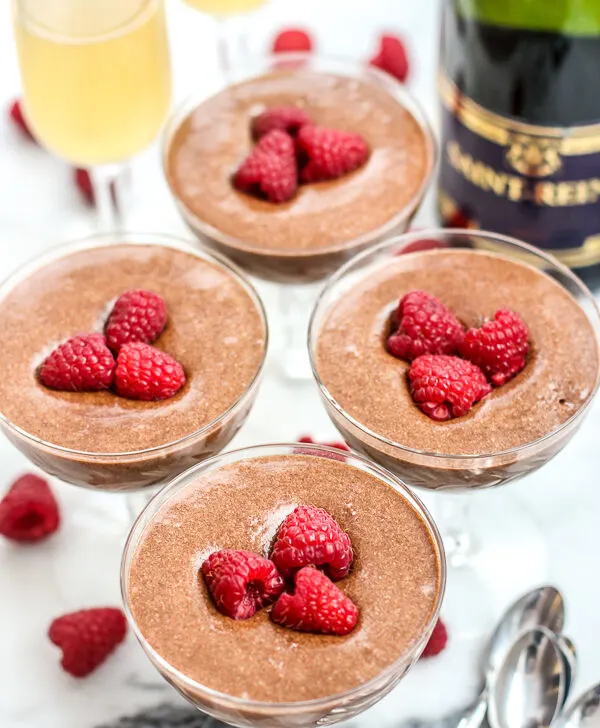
{"type": "Point", "coordinates": [555, 510]}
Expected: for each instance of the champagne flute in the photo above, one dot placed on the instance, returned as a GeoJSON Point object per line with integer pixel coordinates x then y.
{"type": "Point", "coordinates": [96, 82]}
{"type": "Point", "coordinates": [222, 11]}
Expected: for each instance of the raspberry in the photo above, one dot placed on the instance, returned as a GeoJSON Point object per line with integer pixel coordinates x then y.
{"type": "Point", "coordinates": [16, 114]}
{"type": "Point", "coordinates": [82, 364]}
{"type": "Point", "coordinates": [136, 316]}
{"type": "Point", "coordinates": [331, 456]}
{"type": "Point", "coordinates": [392, 57]}
{"type": "Point", "coordinates": [270, 170]}
{"type": "Point", "coordinates": [437, 641]}
{"type": "Point", "coordinates": [28, 511]}
{"type": "Point", "coordinates": [292, 39]}
{"type": "Point", "coordinates": [446, 386]}
{"type": "Point", "coordinates": [84, 185]}
{"type": "Point", "coordinates": [424, 326]}
{"type": "Point", "coordinates": [499, 347]}
{"type": "Point", "coordinates": [309, 536]}
{"type": "Point", "coordinates": [241, 582]}
{"type": "Point", "coordinates": [146, 373]}
{"type": "Point", "coordinates": [329, 153]}
{"type": "Point", "coordinates": [87, 638]}
{"type": "Point", "coordinates": [284, 118]}
{"type": "Point", "coordinates": [317, 605]}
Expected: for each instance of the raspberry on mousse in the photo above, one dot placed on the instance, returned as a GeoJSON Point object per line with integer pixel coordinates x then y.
{"type": "Point", "coordinates": [423, 325]}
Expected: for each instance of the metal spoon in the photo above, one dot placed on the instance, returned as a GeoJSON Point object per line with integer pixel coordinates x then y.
{"type": "Point", "coordinates": [530, 686]}
{"type": "Point", "coordinates": [584, 712]}
{"type": "Point", "coordinates": [544, 607]}
{"type": "Point", "coordinates": [569, 654]}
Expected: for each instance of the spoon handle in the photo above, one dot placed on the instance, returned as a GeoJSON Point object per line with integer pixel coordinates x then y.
{"type": "Point", "coordinates": [474, 716]}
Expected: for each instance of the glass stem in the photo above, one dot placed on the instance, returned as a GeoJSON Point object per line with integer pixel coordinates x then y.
{"type": "Point", "coordinates": [105, 185]}
{"type": "Point", "coordinates": [454, 521]}
{"type": "Point", "coordinates": [224, 47]}
{"type": "Point", "coordinates": [295, 307]}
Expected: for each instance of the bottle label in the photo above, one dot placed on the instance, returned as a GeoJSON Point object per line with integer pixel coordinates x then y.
{"type": "Point", "coordinates": [540, 184]}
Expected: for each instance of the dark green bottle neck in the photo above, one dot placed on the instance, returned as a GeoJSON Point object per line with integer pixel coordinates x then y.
{"type": "Point", "coordinates": [568, 17]}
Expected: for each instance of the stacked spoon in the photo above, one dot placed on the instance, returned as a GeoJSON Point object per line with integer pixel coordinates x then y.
{"type": "Point", "coordinates": [529, 666]}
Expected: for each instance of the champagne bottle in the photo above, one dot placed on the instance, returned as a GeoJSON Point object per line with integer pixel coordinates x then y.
{"type": "Point", "coordinates": [520, 153]}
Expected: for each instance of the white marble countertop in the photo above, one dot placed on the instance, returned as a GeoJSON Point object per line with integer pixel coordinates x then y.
{"type": "Point", "coordinates": [79, 567]}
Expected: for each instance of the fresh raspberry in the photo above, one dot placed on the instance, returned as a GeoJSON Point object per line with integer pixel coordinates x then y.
{"type": "Point", "coordinates": [446, 386]}
{"type": "Point", "coordinates": [87, 638]}
{"type": "Point", "coordinates": [241, 582]}
{"type": "Point", "coordinates": [329, 455]}
{"type": "Point", "coordinates": [417, 246]}
{"type": "Point", "coordinates": [82, 364]}
{"type": "Point", "coordinates": [437, 641]}
{"type": "Point", "coordinates": [28, 511]}
{"type": "Point", "coordinates": [458, 220]}
{"type": "Point", "coordinates": [136, 316]}
{"type": "Point", "coordinates": [146, 373]}
{"type": "Point", "coordinates": [423, 325]}
{"type": "Point", "coordinates": [16, 114]}
{"type": "Point", "coordinates": [317, 605]}
{"type": "Point", "coordinates": [392, 57]}
{"type": "Point", "coordinates": [270, 170]}
{"type": "Point", "coordinates": [284, 118]}
{"type": "Point", "coordinates": [499, 347]}
{"type": "Point", "coordinates": [84, 184]}
{"type": "Point", "coordinates": [329, 153]}
{"type": "Point", "coordinates": [309, 536]}
{"type": "Point", "coordinates": [292, 39]}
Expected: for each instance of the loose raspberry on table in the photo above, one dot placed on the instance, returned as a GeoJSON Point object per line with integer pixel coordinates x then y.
{"type": "Point", "coordinates": [446, 386]}
{"type": "Point", "coordinates": [284, 118]}
{"type": "Point", "coordinates": [317, 605]}
{"type": "Point", "coordinates": [392, 57]}
{"type": "Point", "coordinates": [327, 154]}
{"type": "Point", "coordinates": [423, 325]}
{"type": "Point", "coordinates": [29, 511]}
{"type": "Point", "coordinates": [270, 170]}
{"type": "Point", "coordinates": [292, 39]}
{"type": "Point", "coordinates": [499, 347]}
{"type": "Point", "coordinates": [16, 114]}
{"type": "Point", "coordinates": [136, 316]}
{"type": "Point", "coordinates": [146, 373]}
{"type": "Point", "coordinates": [338, 445]}
{"type": "Point", "coordinates": [241, 582]}
{"type": "Point", "coordinates": [83, 363]}
{"type": "Point", "coordinates": [311, 536]}
{"type": "Point", "coordinates": [87, 638]}
{"type": "Point", "coordinates": [437, 641]}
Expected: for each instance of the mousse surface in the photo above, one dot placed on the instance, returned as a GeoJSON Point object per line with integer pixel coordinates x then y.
{"type": "Point", "coordinates": [214, 329]}
{"type": "Point", "coordinates": [371, 385]}
{"type": "Point", "coordinates": [212, 142]}
{"type": "Point", "coordinates": [394, 581]}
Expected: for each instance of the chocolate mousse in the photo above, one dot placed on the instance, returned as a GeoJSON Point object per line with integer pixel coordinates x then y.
{"type": "Point", "coordinates": [395, 580]}
{"type": "Point", "coordinates": [371, 386]}
{"type": "Point", "coordinates": [215, 328]}
{"type": "Point", "coordinates": [325, 222]}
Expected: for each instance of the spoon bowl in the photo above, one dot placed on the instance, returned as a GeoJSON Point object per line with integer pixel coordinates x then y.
{"type": "Point", "coordinates": [585, 711]}
{"type": "Point", "coordinates": [530, 686]}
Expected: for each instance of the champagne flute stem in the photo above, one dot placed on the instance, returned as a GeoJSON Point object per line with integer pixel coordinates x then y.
{"type": "Point", "coordinates": [454, 519]}
{"type": "Point", "coordinates": [223, 46]}
{"type": "Point", "coordinates": [104, 182]}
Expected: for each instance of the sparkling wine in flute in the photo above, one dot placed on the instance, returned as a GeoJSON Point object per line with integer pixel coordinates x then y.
{"type": "Point", "coordinates": [96, 75]}
{"type": "Point", "coordinates": [520, 91]}
{"type": "Point", "coordinates": [225, 7]}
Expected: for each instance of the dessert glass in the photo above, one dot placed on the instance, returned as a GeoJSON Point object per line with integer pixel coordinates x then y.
{"type": "Point", "coordinates": [298, 273]}
{"type": "Point", "coordinates": [484, 535]}
{"type": "Point", "coordinates": [140, 469]}
{"type": "Point", "coordinates": [244, 712]}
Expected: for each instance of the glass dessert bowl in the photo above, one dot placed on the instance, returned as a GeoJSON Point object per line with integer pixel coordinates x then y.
{"type": "Point", "coordinates": [325, 223]}
{"type": "Point", "coordinates": [204, 654]}
{"type": "Point", "coordinates": [508, 434]}
{"type": "Point", "coordinates": [101, 440]}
